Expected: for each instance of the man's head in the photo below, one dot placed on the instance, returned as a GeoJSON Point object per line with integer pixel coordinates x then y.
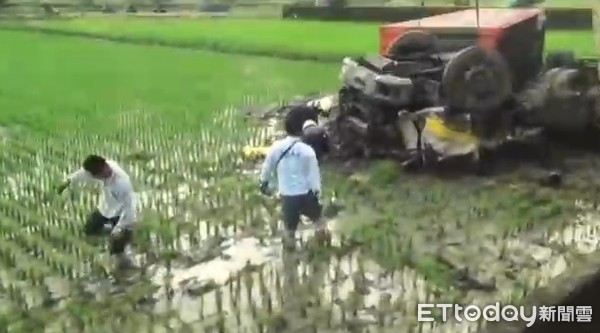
{"type": "Point", "coordinates": [295, 118]}
{"type": "Point", "coordinates": [293, 124]}
{"type": "Point", "coordinates": [97, 166]}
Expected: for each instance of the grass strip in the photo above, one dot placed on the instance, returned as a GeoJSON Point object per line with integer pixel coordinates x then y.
{"type": "Point", "coordinates": [297, 40]}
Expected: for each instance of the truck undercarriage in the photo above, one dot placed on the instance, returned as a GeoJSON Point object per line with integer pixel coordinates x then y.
{"type": "Point", "coordinates": [446, 87]}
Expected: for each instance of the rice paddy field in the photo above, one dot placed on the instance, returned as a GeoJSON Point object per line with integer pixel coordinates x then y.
{"type": "Point", "coordinates": [207, 242]}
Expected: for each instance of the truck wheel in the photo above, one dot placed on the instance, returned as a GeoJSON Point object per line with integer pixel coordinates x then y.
{"type": "Point", "coordinates": [476, 80]}
{"type": "Point", "coordinates": [413, 41]}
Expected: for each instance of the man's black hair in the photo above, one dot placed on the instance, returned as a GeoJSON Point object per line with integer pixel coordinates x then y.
{"type": "Point", "coordinates": [296, 116]}
{"type": "Point", "coordinates": [94, 164]}
{"type": "Point", "coordinates": [291, 126]}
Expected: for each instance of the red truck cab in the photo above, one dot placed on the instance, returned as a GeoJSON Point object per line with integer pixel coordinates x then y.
{"type": "Point", "coordinates": [518, 34]}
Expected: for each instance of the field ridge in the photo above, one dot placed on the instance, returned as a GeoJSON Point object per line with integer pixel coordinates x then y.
{"type": "Point", "coordinates": [209, 46]}
{"type": "Point", "coordinates": [318, 42]}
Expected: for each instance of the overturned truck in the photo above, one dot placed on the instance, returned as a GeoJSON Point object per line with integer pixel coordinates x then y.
{"type": "Point", "coordinates": [460, 83]}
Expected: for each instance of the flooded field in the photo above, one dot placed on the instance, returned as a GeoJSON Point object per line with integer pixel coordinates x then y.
{"type": "Point", "coordinates": [209, 251]}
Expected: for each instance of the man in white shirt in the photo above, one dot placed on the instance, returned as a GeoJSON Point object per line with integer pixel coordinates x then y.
{"type": "Point", "coordinates": [116, 211]}
{"type": "Point", "coordinates": [316, 137]}
{"type": "Point", "coordinates": [298, 178]}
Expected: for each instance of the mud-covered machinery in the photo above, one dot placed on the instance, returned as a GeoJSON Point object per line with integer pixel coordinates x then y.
{"type": "Point", "coordinates": [455, 82]}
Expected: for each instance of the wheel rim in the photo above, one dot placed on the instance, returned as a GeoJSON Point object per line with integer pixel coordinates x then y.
{"type": "Point", "coordinates": [476, 79]}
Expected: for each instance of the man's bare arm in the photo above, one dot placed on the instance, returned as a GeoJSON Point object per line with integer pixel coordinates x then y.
{"type": "Point", "coordinates": [80, 175]}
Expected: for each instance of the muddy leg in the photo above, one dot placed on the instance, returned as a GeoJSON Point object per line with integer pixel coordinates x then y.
{"type": "Point", "coordinates": [117, 247]}
{"type": "Point", "coordinates": [314, 211]}
{"type": "Point", "coordinates": [290, 206]}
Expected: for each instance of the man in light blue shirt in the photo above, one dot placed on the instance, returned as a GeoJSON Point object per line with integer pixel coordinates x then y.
{"type": "Point", "coordinates": [298, 178]}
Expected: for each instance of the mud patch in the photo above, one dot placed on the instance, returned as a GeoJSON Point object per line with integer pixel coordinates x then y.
{"type": "Point", "coordinates": [584, 295]}
{"type": "Point", "coordinates": [576, 288]}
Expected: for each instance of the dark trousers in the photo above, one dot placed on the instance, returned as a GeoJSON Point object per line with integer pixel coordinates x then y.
{"type": "Point", "coordinates": [295, 205]}
{"type": "Point", "coordinates": [95, 227]}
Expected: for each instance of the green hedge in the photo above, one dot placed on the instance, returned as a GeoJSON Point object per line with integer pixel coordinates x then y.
{"type": "Point", "coordinates": [557, 18]}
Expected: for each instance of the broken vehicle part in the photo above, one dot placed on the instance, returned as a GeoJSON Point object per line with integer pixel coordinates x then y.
{"type": "Point", "coordinates": [459, 84]}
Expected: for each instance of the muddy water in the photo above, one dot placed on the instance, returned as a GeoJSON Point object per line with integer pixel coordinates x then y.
{"type": "Point", "coordinates": [247, 265]}
{"type": "Point", "coordinates": [251, 282]}
{"type": "Point", "coordinates": [587, 295]}
{"type": "Point", "coordinates": [336, 280]}
{"type": "Point", "coordinates": [351, 289]}
{"type": "Point", "coordinates": [247, 268]}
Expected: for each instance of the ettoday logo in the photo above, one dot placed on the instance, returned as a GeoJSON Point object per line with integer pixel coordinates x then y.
{"type": "Point", "coordinates": [494, 312]}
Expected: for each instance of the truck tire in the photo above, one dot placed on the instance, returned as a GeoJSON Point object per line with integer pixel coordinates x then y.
{"type": "Point", "coordinates": [476, 80]}
{"type": "Point", "coordinates": [413, 41]}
